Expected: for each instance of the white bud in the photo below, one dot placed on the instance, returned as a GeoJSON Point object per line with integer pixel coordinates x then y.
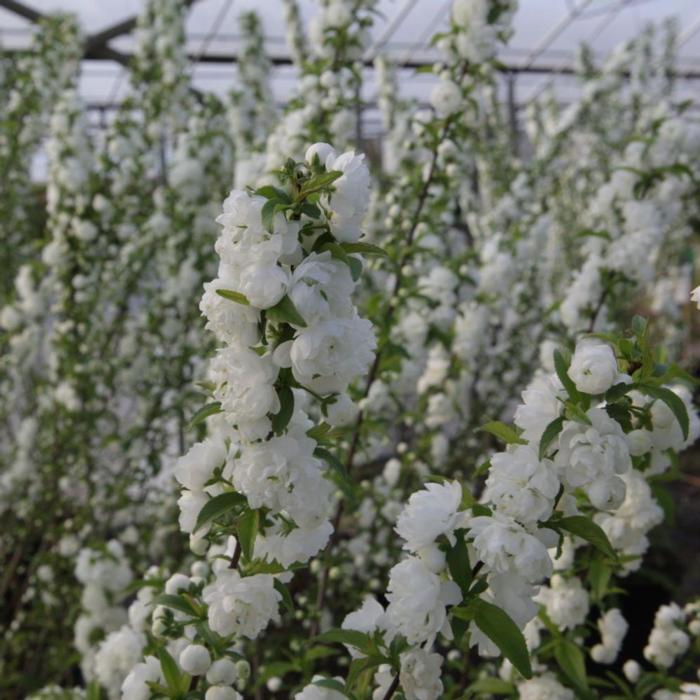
{"type": "Point", "coordinates": [222, 672]}
{"type": "Point", "coordinates": [639, 442]}
{"type": "Point", "coordinates": [195, 659]}
{"type": "Point", "coordinates": [274, 684]}
{"type": "Point", "coordinates": [632, 671]}
{"type": "Point", "coordinates": [220, 692]}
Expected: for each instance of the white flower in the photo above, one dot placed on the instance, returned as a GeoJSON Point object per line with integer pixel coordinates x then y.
{"type": "Point", "coordinates": [446, 98]}
{"type": "Point", "coordinates": [367, 618]}
{"type": "Point", "coordinates": [613, 628]}
{"type": "Point", "coordinates": [593, 366]}
{"type": "Point", "coordinates": [667, 640]}
{"type": "Point", "coordinates": [195, 659]}
{"type": "Point", "coordinates": [299, 545]}
{"type": "Point", "coordinates": [627, 527]}
{"type": "Point", "coordinates": [522, 486]}
{"type": "Point", "coordinates": [429, 513]}
{"type": "Point", "coordinates": [228, 320]}
{"type": "Point", "coordinates": [341, 411]}
{"type": "Point", "coordinates": [264, 284]}
{"type": "Point", "coordinates": [321, 288]}
{"type": "Point", "coordinates": [349, 202]}
{"type": "Point", "coordinates": [565, 600]}
{"type": "Point", "coordinates": [667, 431]}
{"type": "Point", "coordinates": [329, 355]}
{"type": "Point", "coordinates": [196, 467]}
{"type": "Point", "coordinates": [242, 606]}
{"type": "Point", "coordinates": [543, 688]}
{"type": "Point", "coordinates": [283, 475]}
{"type": "Point", "coordinates": [190, 503]}
{"type": "Point", "coordinates": [245, 386]}
{"type": "Point", "coordinates": [417, 601]}
{"type": "Point", "coordinates": [135, 685]}
{"type": "Point", "coordinates": [541, 405]}
{"type": "Point", "coordinates": [592, 456]}
{"type": "Point", "coordinates": [420, 675]}
{"type": "Point", "coordinates": [505, 546]}
{"type": "Point", "coordinates": [695, 296]}
{"type": "Point", "coordinates": [115, 658]}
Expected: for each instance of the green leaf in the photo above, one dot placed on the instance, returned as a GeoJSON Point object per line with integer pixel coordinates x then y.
{"type": "Point", "coordinates": [355, 265]}
{"type": "Point", "coordinates": [268, 214]}
{"type": "Point", "coordinates": [233, 296]}
{"type": "Point", "coordinates": [503, 432]}
{"type": "Point", "coordinates": [599, 573]}
{"type": "Point", "coordinates": [666, 501]}
{"type": "Point", "coordinates": [363, 248]}
{"type": "Point", "coordinates": [492, 686]}
{"type": "Point", "coordinates": [572, 662]}
{"type": "Point", "coordinates": [247, 531]}
{"type": "Point", "coordinates": [562, 368]}
{"type": "Point", "coordinates": [318, 432]}
{"type": "Point", "coordinates": [173, 678]}
{"type": "Point", "coordinates": [217, 506]}
{"type": "Point", "coordinates": [584, 527]}
{"type": "Point", "coordinates": [639, 325]}
{"type": "Point", "coordinates": [286, 312]}
{"type": "Point", "coordinates": [331, 683]}
{"type": "Point", "coordinates": [276, 668]}
{"type": "Point", "coordinates": [550, 432]}
{"type": "Point", "coordinates": [353, 638]}
{"type": "Point", "coordinates": [593, 233]}
{"type": "Point", "coordinates": [274, 193]}
{"type": "Point", "coordinates": [459, 629]}
{"type": "Point", "coordinates": [93, 691]}
{"type": "Point", "coordinates": [209, 409]}
{"type": "Point", "coordinates": [360, 666]}
{"type": "Point", "coordinates": [319, 182]}
{"type": "Point", "coordinates": [281, 419]}
{"type": "Point", "coordinates": [504, 633]}
{"type": "Point", "coordinates": [574, 412]}
{"type": "Point", "coordinates": [673, 401]}
{"type": "Point", "coordinates": [286, 596]}
{"type": "Point", "coordinates": [338, 472]}
{"type": "Point", "coordinates": [176, 602]}
{"type": "Point", "coordinates": [617, 391]}
{"type": "Point", "coordinates": [458, 563]}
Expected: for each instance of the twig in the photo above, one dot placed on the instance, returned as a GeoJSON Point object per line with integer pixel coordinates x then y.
{"type": "Point", "coordinates": [392, 688]}
{"type": "Point", "coordinates": [236, 555]}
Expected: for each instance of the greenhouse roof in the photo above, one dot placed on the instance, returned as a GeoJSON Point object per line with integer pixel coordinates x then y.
{"type": "Point", "coordinates": [541, 52]}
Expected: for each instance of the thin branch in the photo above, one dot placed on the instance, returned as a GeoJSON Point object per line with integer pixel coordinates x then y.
{"type": "Point", "coordinates": [392, 688]}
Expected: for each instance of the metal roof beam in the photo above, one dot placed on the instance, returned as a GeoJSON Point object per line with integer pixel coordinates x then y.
{"type": "Point", "coordinates": [100, 39]}
{"type": "Point", "coordinates": [19, 8]}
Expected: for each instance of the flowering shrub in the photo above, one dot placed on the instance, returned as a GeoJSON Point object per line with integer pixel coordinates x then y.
{"type": "Point", "coordinates": [395, 429]}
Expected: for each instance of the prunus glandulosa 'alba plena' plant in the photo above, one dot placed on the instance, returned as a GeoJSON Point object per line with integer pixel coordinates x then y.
{"type": "Point", "coordinates": [435, 438]}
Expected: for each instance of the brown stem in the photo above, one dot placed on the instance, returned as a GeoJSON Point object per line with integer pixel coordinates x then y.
{"type": "Point", "coordinates": [236, 555]}
{"type": "Point", "coordinates": [599, 307]}
{"type": "Point", "coordinates": [392, 688]}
